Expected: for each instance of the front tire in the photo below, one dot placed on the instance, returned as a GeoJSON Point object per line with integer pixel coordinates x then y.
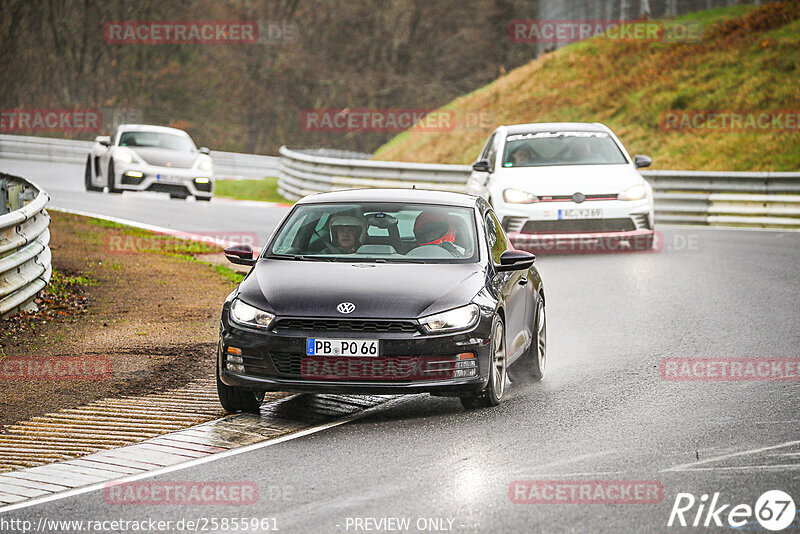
{"type": "Point", "coordinates": [530, 366]}
{"type": "Point", "coordinates": [87, 176]}
{"type": "Point", "coordinates": [492, 395]}
{"type": "Point", "coordinates": [235, 399]}
{"type": "Point", "coordinates": [111, 180]}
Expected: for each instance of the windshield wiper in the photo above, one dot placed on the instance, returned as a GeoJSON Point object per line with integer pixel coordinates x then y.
{"type": "Point", "coordinates": [297, 257]}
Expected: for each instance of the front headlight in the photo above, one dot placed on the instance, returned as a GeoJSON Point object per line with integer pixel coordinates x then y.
{"type": "Point", "coordinates": [123, 156]}
{"type": "Point", "coordinates": [637, 192]}
{"type": "Point", "coordinates": [206, 164]}
{"type": "Point", "coordinates": [458, 319]}
{"type": "Point", "coordinates": [250, 315]}
{"type": "Point", "coordinates": [515, 196]}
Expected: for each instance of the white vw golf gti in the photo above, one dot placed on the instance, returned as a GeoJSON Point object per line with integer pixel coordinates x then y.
{"type": "Point", "coordinates": [572, 183]}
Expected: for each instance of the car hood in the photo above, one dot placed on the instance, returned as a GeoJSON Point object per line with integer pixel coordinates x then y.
{"type": "Point", "coordinates": [568, 179]}
{"type": "Point", "coordinates": [378, 290]}
{"type": "Point", "coordinates": [167, 158]}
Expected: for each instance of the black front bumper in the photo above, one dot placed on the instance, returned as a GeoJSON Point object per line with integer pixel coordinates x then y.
{"type": "Point", "coordinates": [274, 360]}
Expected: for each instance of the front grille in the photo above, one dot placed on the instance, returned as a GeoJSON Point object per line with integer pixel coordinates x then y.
{"type": "Point", "coordinates": [204, 187]}
{"type": "Point", "coordinates": [563, 226]}
{"type": "Point", "coordinates": [569, 198]}
{"type": "Point", "coordinates": [411, 368]}
{"type": "Point", "coordinates": [286, 364]}
{"type": "Point", "coordinates": [132, 180]}
{"type": "Point", "coordinates": [169, 188]}
{"type": "Point", "coordinates": [346, 325]}
{"type": "Point", "coordinates": [256, 364]}
{"type": "Point", "coordinates": [513, 224]}
{"type": "Point", "coordinates": [642, 221]}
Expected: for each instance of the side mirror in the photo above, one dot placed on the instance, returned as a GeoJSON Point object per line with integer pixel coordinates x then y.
{"type": "Point", "coordinates": [642, 161]}
{"type": "Point", "coordinates": [205, 150]}
{"type": "Point", "coordinates": [481, 166]}
{"type": "Point", "coordinates": [240, 255]}
{"type": "Point", "coordinates": [515, 260]}
{"type": "Point", "coordinates": [104, 140]}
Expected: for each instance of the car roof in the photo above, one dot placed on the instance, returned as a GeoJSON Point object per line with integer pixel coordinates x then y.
{"type": "Point", "coordinates": [417, 196]}
{"type": "Point", "coordinates": [556, 126]}
{"type": "Point", "coordinates": [150, 128]}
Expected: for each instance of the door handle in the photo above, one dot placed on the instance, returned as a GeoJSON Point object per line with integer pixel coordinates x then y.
{"type": "Point", "coordinates": [523, 281]}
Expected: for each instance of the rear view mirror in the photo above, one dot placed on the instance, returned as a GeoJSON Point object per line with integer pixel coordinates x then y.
{"type": "Point", "coordinates": [104, 140]}
{"type": "Point", "coordinates": [642, 161]}
{"type": "Point", "coordinates": [481, 166]}
{"type": "Point", "coordinates": [205, 150]}
{"type": "Point", "coordinates": [240, 255]}
{"type": "Point", "coordinates": [515, 260]}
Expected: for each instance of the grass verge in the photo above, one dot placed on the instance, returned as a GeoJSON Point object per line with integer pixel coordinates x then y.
{"type": "Point", "coordinates": [265, 190]}
{"type": "Point", "coordinates": [746, 62]}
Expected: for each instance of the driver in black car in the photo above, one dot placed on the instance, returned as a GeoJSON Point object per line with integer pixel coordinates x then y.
{"type": "Point", "coordinates": [347, 232]}
{"type": "Point", "coordinates": [436, 228]}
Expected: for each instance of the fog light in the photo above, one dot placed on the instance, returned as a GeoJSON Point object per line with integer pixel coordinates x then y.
{"type": "Point", "coordinates": [234, 359]}
{"type": "Point", "coordinates": [464, 373]}
{"type": "Point", "coordinates": [201, 180]}
{"type": "Point", "coordinates": [235, 367]}
{"type": "Point", "coordinates": [465, 365]}
{"type": "Point", "coordinates": [134, 174]}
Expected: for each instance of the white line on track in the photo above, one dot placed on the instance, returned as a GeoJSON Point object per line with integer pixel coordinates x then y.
{"type": "Point", "coordinates": [691, 465]}
{"type": "Point", "coordinates": [199, 461]}
{"type": "Point", "coordinates": [575, 459]}
{"type": "Point", "coordinates": [773, 467]}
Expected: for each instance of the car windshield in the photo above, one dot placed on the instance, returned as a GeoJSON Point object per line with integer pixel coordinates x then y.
{"type": "Point", "coordinates": [540, 149]}
{"type": "Point", "coordinates": [380, 232]}
{"type": "Point", "coordinates": [156, 140]}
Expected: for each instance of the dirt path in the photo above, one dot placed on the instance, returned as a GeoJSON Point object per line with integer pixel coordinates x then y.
{"type": "Point", "coordinates": [151, 317]}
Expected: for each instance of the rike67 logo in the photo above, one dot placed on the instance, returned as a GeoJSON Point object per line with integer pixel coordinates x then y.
{"type": "Point", "coordinates": [774, 510]}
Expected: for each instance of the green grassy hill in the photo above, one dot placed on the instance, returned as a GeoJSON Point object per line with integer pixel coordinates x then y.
{"type": "Point", "coordinates": [748, 61]}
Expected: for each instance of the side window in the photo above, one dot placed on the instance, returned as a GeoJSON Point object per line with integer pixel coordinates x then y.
{"type": "Point", "coordinates": [492, 154]}
{"type": "Point", "coordinates": [496, 238]}
{"type": "Point", "coordinates": [487, 148]}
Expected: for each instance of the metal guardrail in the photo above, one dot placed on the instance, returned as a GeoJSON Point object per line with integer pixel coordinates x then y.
{"type": "Point", "coordinates": [761, 199]}
{"type": "Point", "coordinates": [765, 199]}
{"type": "Point", "coordinates": [25, 267]}
{"type": "Point", "coordinates": [302, 174]}
{"type": "Point", "coordinates": [226, 164]}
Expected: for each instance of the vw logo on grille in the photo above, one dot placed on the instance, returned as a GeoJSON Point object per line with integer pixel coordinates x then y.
{"type": "Point", "coordinates": [346, 307]}
{"type": "Point", "coordinates": [578, 197]}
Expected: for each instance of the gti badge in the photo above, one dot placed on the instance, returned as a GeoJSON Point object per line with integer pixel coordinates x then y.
{"type": "Point", "coordinates": [346, 307]}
